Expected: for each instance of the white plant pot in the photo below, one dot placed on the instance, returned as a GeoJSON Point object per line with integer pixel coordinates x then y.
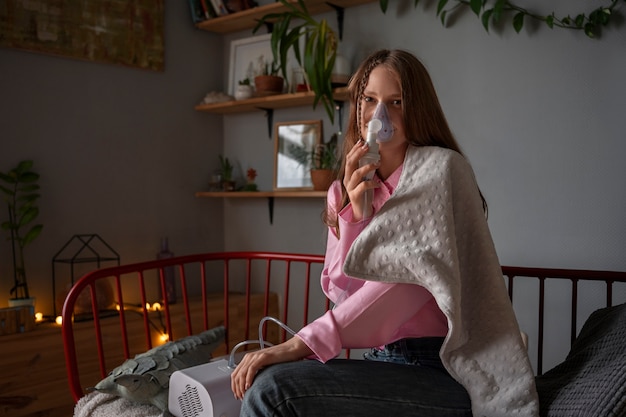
{"type": "Point", "coordinates": [243, 92]}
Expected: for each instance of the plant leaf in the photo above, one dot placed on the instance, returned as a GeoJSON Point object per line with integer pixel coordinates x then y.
{"type": "Point", "coordinates": [441, 5]}
{"type": "Point", "coordinates": [476, 5]}
{"type": "Point", "coordinates": [383, 5]}
{"type": "Point", "coordinates": [485, 18]}
{"type": "Point", "coordinates": [518, 22]}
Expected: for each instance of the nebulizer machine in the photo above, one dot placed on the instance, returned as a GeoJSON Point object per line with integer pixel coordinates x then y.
{"type": "Point", "coordinates": [379, 129]}
{"type": "Point", "coordinates": [204, 390]}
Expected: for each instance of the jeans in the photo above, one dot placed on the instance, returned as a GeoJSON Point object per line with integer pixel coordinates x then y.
{"type": "Point", "coordinates": [403, 379]}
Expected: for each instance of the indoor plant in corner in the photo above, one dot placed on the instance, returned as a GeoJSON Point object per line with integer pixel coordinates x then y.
{"type": "Point", "coordinates": [320, 48]}
{"type": "Point", "coordinates": [21, 193]}
{"type": "Point", "coordinates": [322, 159]}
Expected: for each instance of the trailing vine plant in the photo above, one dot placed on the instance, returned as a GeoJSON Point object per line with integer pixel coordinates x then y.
{"type": "Point", "coordinates": [492, 13]}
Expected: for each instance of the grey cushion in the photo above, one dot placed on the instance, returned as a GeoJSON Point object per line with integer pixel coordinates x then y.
{"type": "Point", "coordinates": [591, 381]}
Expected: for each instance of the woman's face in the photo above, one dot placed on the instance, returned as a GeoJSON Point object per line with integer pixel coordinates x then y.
{"type": "Point", "coordinates": [384, 86]}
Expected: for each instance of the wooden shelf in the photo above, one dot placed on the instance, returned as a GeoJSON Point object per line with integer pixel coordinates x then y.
{"type": "Point", "coordinates": [261, 194]}
{"type": "Point", "coordinates": [270, 195]}
{"type": "Point", "coordinates": [247, 19]}
{"type": "Point", "coordinates": [278, 101]}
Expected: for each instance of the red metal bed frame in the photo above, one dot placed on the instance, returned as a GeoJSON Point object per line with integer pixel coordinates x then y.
{"type": "Point", "coordinates": [292, 277]}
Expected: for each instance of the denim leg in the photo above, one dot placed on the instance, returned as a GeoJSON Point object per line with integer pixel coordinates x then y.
{"type": "Point", "coordinates": [358, 388]}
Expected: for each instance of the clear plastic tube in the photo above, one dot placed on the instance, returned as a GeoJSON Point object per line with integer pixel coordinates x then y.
{"type": "Point", "coordinates": [259, 341]}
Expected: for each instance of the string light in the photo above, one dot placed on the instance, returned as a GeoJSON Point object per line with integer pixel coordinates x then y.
{"type": "Point", "coordinates": [59, 320]}
{"type": "Point", "coordinates": [38, 317]}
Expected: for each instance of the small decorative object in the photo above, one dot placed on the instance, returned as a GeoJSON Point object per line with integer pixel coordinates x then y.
{"type": "Point", "coordinates": [250, 184]}
{"type": "Point", "coordinates": [216, 97]}
{"type": "Point", "coordinates": [341, 71]}
{"type": "Point", "coordinates": [228, 184]}
{"type": "Point", "coordinates": [299, 82]}
{"type": "Point", "coordinates": [216, 181]}
{"type": "Point", "coordinates": [21, 193]}
{"type": "Point", "coordinates": [83, 249]}
{"type": "Point", "coordinates": [244, 90]}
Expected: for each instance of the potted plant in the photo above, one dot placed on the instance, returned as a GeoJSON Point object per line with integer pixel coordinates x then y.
{"type": "Point", "coordinates": [267, 81]}
{"type": "Point", "coordinates": [320, 48]}
{"type": "Point", "coordinates": [20, 190]}
{"type": "Point", "coordinates": [226, 169]}
{"type": "Point", "coordinates": [322, 159]}
{"type": "Point", "coordinates": [244, 89]}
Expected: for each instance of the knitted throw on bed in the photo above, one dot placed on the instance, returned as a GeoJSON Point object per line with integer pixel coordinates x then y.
{"type": "Point", "coordinates": [433, 232]}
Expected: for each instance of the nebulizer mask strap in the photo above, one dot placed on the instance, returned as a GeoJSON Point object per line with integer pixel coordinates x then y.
{"type": "Point", "coordinates": [379, 129]}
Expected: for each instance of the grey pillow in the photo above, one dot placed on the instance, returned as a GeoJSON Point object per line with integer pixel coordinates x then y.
{"type": "Point", "coordinates": [145, 378]}
{"type": "Point", "coordinates": [591, 381]}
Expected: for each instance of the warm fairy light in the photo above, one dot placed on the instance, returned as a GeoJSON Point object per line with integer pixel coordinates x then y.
{"type": "Point", "coordinates": [164, 338]}
{"type": "Point", "coordinates": [38, 316]}
{"type": "Point", "coordinates": [117, 307]}
{"type": "Point", "coordinates": [59, 320]}
{"type": "Point", "coordinates": [156, 306]}
{"type": "Point", "coordinates": [148, 306]}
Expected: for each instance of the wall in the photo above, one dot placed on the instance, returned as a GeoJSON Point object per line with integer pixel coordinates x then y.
{"type": "Point", "coordinates": [120, 150]}
{"type": "Point", "coordinates": [536, 112]}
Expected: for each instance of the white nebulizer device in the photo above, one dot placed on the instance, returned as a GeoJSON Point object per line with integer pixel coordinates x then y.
{"type": "Point", "coordinates": [379, 129]}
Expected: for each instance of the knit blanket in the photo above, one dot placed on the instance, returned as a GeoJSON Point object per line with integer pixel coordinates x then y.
{"type": "Point", "coordinates": [591, 381]}
{"type": "Point", "coordinates": [433, 232]}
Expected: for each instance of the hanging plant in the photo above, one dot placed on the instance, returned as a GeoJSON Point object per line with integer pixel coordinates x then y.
{"type": "Point", "coordinates": [492, 13]}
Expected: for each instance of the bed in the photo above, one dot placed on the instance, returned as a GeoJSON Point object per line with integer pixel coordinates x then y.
{"type": "Point", "coordinates": [113, 314]}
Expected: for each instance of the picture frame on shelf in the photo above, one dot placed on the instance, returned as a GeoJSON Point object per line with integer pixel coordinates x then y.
{"type": "Point", "coordinates": [244, 56]}
{"type": "Point", "coordinates": [290, 173]}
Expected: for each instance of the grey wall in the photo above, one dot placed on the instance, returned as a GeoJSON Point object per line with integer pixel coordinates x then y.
{"type": "Point", "coordinates": [121, 150]}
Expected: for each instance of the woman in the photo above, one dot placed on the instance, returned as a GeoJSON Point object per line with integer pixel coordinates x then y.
{"type": "Point", "coordinates": [401, 322]}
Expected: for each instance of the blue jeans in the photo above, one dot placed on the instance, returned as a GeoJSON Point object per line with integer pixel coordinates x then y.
{"type": "Point", "coordinates": [404, 379]}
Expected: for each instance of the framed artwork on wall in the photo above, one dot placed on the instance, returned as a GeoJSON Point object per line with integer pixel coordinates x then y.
{"type": "Point", "coordinates": [246, 57]}
{"type": "Point", "coordinates": [294, 142]}
{"type": "Point", "coordinates": [107, 31]}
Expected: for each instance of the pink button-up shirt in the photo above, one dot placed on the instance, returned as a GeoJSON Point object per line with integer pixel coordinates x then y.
{"type": "Point", "coordinates": [367, 313]}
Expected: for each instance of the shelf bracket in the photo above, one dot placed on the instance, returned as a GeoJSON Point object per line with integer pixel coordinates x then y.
{"type": "Point", "coordinates": [269, 114]}
{"type": "Point", "coordinates": [270, 206]}
{"type": "Point", "coordinates": [340, 12]}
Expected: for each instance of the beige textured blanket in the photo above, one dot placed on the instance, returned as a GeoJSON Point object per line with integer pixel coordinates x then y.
{"type": "Point", "coordinates": [433, 232]}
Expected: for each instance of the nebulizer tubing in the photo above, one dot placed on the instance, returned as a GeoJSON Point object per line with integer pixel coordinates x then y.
{"type": "Point", "coordinates": [259, 341]}
{"type": "Point", "coordinates": [379, 129]}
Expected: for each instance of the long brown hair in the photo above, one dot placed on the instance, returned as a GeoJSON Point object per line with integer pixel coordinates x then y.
{"type": "Point", "coordinates": [424, 121]}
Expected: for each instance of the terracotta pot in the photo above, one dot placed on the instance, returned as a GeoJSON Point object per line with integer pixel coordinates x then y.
{"type": "Point", "coordinates": [268, 84]}
{"type": "Point", "coordinates": [322, 178]}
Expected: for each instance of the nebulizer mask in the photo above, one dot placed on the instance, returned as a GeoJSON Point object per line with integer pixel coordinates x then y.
{"type": "Point", "coordinates": [379, 129]}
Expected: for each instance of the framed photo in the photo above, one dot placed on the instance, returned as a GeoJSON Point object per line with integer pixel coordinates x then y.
{"type": "Point", "coordinates": [249, 56]}
{"type": "Point", "coordinates": [293, 145]}
{"type": "Point", "coordinates": [245, 58]}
